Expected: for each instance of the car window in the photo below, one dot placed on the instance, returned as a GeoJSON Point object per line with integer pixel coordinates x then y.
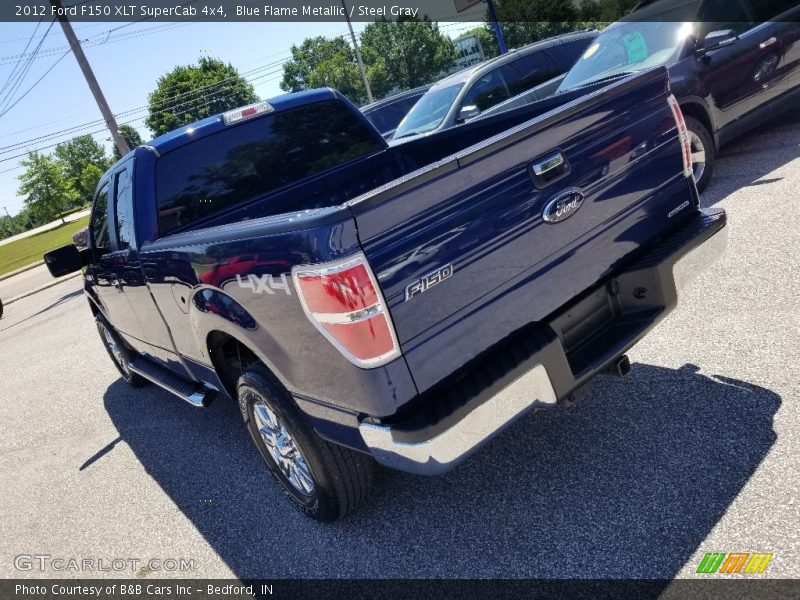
{"type": "Point", "coordinates": [629, 47]}
{"type": "Point", "coordinates": [727, 14]}
{"type": "Point", "coordinates": [565, 55]}
{"type": "Point", "coordinates": [99, 223]}
{"type": "Point", "coordinates": [123, 208]}
{"type": "Point", "coordinates": [429, 111]}
{"type": "Point", "coordinates": [764, 10]}
{"type": "Point", "coordinates": [249, 160]}
{"type": "Point", "coordinates": [489, 90]}
{"type": "Point", "coordinates": [529, 71]}
{"type": "Point", "coordinates": [388, 117]}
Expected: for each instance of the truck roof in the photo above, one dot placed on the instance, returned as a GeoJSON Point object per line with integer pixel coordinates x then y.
{"type": "Point", "coordinates": [193, 131]}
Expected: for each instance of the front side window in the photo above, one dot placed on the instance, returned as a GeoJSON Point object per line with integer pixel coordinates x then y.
{"type": "Point", "coordinates": [123, 208]}
{"type": "Point", "coordinates": [247, 161]}
{"type": "Point", "coordinates": [489, 90]}
{"type": "Point", "coordinates": [99, 222]}
{"type": "Point", "coordinates": [727, 14]}
{"type": "Point", "coordinates": [429, 111]}
{"type": "Point", "coordinates": [766, 10]}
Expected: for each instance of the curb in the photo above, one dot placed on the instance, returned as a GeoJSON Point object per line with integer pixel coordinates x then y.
{"type": "Point", "coordinates": [21, 270]}
{"type": "Point", "coordinates": [41, 288]}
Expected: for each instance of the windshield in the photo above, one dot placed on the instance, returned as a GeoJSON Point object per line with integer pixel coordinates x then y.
{"type": "Point", "coordinates": [626, 48]}
{"type": "Point", "coordinates": [429, 111]}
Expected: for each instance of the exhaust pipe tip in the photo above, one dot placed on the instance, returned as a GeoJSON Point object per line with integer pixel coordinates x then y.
{"type": "Point", "coordinates": [620, 367]}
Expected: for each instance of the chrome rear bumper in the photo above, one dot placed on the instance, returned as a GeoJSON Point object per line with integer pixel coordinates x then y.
{"type": "Point", "coordinates": [545, 374]}
{"type": "Point", "coordinates": [440, 453]}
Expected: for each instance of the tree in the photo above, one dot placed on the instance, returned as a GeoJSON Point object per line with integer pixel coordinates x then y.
{"type": "Point", "coordinates": [324, 62]}
{"type": "Point", "coordinates": [131, 137]}
{"type": "Point", "coordinates": [409, 52]}
{"type": "Point", "coordinates": [302, 71]}
{"type": "Point", "coordinates": [74, 156]}
{"type": "Point", "coordinates": [46, 188]}
{"type": "Point", "coordinates": [193, 92]}
{"type": "Point", "coordinates": [488, 40]}
{"type": "Point", "coordinates": [89, 178]}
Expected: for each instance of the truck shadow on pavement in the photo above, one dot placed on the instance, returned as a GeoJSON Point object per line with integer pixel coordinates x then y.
{"type": "Point", "coordinates": [749, 159]}
{"type": "Point", "coordinates": [626, 483]}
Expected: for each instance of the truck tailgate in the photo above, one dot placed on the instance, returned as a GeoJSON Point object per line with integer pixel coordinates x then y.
{"type": "Point", "coordinates": [504, 246]}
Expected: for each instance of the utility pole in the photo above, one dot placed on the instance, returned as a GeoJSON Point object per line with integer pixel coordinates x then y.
{"type": "Point", "coordinates": [5, 209]}
{"type": "Point", "coordinates": [501, 42]}
{"type": "Point", "coordinates": [75, 45]}
{"type": "Point", "coordinates": [370, 99]}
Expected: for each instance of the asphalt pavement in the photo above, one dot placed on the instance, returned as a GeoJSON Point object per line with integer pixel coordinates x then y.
{"type": "Point", "coordinates": [25, 282]}
{"type": "Point", "coordinates": [696, 451]}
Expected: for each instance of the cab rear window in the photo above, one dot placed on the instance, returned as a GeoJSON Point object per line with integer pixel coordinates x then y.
{"type": "Point", "coordinates": [247, 161]}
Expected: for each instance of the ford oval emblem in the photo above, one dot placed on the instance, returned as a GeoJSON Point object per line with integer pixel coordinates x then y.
{"type": "Point", "coordinates": [563, 206]}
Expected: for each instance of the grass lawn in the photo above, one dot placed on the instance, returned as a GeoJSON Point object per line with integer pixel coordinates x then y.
{"type": "Point", "coordinates": [30, 249]}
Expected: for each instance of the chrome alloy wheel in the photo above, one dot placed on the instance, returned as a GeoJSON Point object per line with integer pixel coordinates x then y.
{"type": "Point", "coordinates": [698, 155]}
{"type": "Point", "coordinates": [283, 449]}
{"type": "Point", "coordinates": [119, 354]}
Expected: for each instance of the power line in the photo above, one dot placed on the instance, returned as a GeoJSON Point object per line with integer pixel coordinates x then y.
{"type": "Point", "coordinates": [30, 39]}
{"type": "Point", "coordinates": [166, 106]}
{"type": "Point", "coordinates": [158, 108]}
{"type": "Point", "coordinates": [18, 100]}
{"type": "Point", "coordinates": [24, 72]}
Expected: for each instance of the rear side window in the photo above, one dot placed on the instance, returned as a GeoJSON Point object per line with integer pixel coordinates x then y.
{"type": "Point", "coordinates": [531, 70]}
{"type": "Point", "coordinates": [247, 161]}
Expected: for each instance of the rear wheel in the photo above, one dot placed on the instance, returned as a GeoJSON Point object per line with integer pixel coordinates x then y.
{"type": "Point", "coordinates": [324, 480]}
{"type": "Point", "coordinates": [120, 355]}
{"type": "Point", "coordinates": [703, 152]}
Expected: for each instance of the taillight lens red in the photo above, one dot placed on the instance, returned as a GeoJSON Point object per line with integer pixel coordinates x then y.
{"type": "Point", "coordinates": [343, 301]}
{"type": "Point", "coordinates": [683, 134]}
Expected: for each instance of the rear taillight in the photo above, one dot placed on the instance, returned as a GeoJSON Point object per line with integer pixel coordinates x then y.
{"type": "Point", "coordinates": [683, 134]}
{"type": "Point", "coordinates": [343, 300]}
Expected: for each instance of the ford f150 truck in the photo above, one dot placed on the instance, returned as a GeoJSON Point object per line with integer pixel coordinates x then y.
{"type": "Point", "coordinates": [399, 305]}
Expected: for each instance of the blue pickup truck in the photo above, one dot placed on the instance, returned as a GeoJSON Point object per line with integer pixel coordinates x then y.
{"type": "Point", "coordinates": [401, 305]}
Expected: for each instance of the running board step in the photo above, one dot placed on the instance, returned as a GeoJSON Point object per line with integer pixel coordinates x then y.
{"type": "Point", "coordinates": [194, 393]}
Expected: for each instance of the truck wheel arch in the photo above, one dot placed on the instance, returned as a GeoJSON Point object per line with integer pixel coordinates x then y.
{"type": "Point", "coordinates": [695, 107]}
{"type": "Point", "coordinates": [230, 357]}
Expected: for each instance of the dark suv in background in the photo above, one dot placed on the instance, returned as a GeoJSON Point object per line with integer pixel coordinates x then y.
{"type": "Point", "coordinates": [733, 64]}
{"type": "Point", "coordinates": [467, 93]}
{"type": "Point", "coordinates": [387, 113]}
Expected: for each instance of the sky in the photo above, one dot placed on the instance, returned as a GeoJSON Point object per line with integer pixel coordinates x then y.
{"type": "Point", "coordinates": [127, 63]}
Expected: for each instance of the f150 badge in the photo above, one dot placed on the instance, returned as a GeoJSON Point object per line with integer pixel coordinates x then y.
{"type": "Point", "coordinates": [426, 282]}
{"type": "Point", "coordinates": [563, 206]}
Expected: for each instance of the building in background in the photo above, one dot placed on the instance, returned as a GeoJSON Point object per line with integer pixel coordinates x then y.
{"type": "Point", "coordinates": [469, 50]}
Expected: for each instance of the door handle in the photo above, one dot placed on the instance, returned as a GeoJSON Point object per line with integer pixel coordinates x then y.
{"type": "Point", "coordinates": [768, 43]}
{"type": "Point", "coordinates": [549, 169]}
{"type": "Point", "coordinates": [554, 161]}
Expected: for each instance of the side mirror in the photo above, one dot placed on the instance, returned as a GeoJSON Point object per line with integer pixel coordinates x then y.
{"type": "Point", "coordinates": [716, 40]}
{"type": "Point", "coordinates": [63, 261]}
{"type": "Point", "coordinates": [468, 112]}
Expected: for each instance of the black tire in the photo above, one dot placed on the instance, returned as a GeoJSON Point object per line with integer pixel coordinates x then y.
{"type": "Point", "coordinates": [119, 353]}
{"type": "Point", "coordinates": [341, 478]}
{"type": "Point", "coordinates": [699, 134]}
